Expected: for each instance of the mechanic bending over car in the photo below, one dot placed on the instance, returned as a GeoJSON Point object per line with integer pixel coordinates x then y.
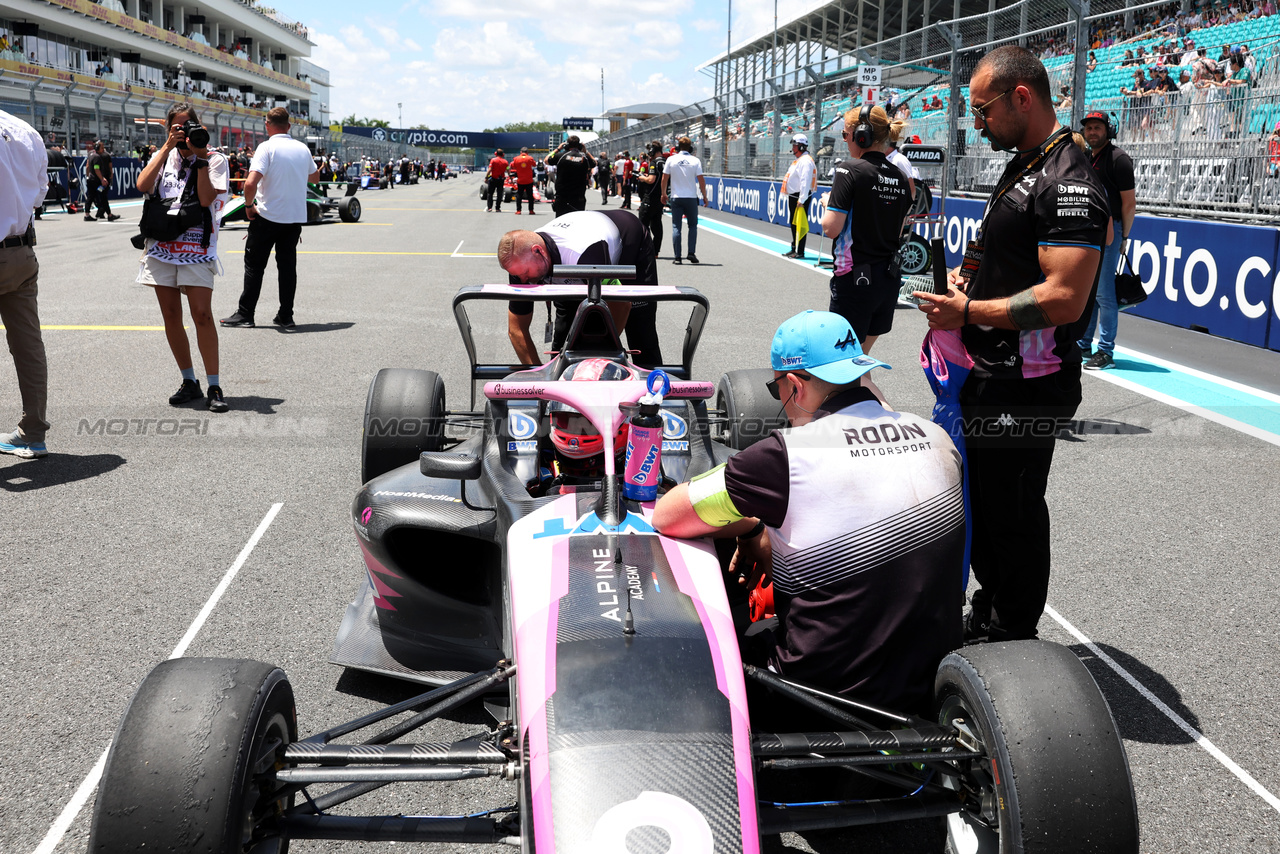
{"type": "Point", "coordinates": [582, 237]}
{"type": "Point", "coordinates": [855, 514]}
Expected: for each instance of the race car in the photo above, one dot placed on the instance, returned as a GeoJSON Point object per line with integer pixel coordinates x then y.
{"type": "Point", "coordinates": [319, 204]}
{"type": "Point", "coordinates": [502, 562]}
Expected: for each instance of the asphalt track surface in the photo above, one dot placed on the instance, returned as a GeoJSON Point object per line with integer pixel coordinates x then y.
{"type": "Point", "coordinates": [1165, 527]}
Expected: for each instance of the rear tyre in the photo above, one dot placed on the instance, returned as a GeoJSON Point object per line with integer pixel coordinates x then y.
{"type": "Point", "coordinates": [1056, 778]}
{"type": "Point", "coordinates": [349, 209]}
{"type": "Point", "coordinates": [192, 765]}
{"type": "Point", "coordinates": [915, 256]}
{"type": "Point", "coordinates": [403, 416]}
{"type": "Point", "coordinates": [750, 411]}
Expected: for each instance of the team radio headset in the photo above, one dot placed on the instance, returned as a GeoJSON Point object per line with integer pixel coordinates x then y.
{"type": "Point", "coordinates": [973, 252]}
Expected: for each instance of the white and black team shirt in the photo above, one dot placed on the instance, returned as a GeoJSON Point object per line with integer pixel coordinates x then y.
{"type": "Point", "coordinates": [866, 517]}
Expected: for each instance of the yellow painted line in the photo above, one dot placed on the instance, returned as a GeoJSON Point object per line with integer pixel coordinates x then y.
{"type": "Point", "coordinates": [106, 328]}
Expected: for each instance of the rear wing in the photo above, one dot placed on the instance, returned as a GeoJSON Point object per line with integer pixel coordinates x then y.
{"type": "Point", "coordinates": [648, 293]}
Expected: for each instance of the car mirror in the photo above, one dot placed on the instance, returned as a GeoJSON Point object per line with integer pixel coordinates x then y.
{"type": "Point", "coordinates": [449, 465]}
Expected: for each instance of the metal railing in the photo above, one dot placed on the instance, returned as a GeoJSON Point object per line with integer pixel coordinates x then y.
{"type": "Point", "coordinates": [1208, 152]}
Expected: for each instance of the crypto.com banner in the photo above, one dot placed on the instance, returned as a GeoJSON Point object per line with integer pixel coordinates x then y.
{"type": "Point", "coordinates": [458, 138]}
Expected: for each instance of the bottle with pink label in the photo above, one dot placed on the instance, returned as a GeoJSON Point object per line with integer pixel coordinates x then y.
{"type": "Point", "coordinates": [643, 468]}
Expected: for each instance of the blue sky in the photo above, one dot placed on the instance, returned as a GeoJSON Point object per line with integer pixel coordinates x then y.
{"type": "Point", "coordinates": [462, 65]}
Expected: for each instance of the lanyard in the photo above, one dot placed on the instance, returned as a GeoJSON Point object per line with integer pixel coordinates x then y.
{"type": "Point", "coordinates": [1045, 148]}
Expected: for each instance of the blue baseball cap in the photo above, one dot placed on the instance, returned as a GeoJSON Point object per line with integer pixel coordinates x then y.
{"type": "Point", "coordinates": [823, 344]}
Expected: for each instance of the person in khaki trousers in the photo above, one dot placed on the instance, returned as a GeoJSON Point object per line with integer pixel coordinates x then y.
{"type": "Point", "coordinates": [24, 179]}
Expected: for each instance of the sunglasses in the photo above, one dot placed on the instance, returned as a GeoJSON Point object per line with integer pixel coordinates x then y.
{"type": "Point", "coordinates": [772, 385]}
{"type": "Point", "coordinates": [980, 112]}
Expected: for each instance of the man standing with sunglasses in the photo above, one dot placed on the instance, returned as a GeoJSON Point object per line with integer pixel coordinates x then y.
{"type": "Point", "coordinates": [1014, 309]}
{"type": "Point", "coordinates": [855, 514]}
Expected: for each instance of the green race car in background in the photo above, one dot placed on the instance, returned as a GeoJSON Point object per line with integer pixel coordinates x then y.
{"type": "Point", "coordinates": [319, 204]}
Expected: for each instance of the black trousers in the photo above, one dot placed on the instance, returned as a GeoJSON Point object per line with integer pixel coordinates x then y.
{"type": "Point", "coordinates": [1010, 431]}
{"type": "Point", "coordinates": [793, 204]}
{"type": "Point", "coordinates": [651, 218]}
{"type": "Point", "coordinates": [100, 197]}
{"type": "Point", "coordinates": [524, 191]}
{"type": "Point", "coordinates": [626, 194]}
{"type": "Point", "coordinates": [565, 204]}
{"type": "Point", "coordinates": [264, 235]}
{"type": "Point", "coordinates": [495, 193]}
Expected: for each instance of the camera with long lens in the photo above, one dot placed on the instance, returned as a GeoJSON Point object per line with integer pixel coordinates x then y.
{"type": "Point", "coordinates": [197, 135]}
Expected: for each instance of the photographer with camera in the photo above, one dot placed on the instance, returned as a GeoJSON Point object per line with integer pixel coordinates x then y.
{"type": "Point", "coordinates": [186, 183]}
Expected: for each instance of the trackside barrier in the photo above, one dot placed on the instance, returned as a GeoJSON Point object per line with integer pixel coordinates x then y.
{"type": "Point", "coordinates": [1219, 277]}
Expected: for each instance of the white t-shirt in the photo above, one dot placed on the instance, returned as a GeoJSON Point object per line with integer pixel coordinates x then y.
{"type": "Point", "coordinates": [618, 166]}
{"type": "Point", "coordinates": [24, 174]}
{"type": "Point", "coordinates": [897, 158]}
{"type": "Point", "coordinates": [285, 164]}
{"type": "Point", "coordinates": [188, 248]}
{"type": "Point", "coordinates": [801, 177]}
{"type": "Point", "coordinates": [684, 170]}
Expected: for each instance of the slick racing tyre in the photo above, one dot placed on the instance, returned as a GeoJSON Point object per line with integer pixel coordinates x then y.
{"type": "Point", "coordinates": [1055, 778]}
{"type": "Point", "coordinates": [192, 765]}
{"type": "Point", "coordinates": [403, 416]}
{"type": "Point", "coordinates": [915, 256]}
{"type": "Point", "coordinates": [349, 209]}
{"type": "Point", "coordinates": [749, 410]}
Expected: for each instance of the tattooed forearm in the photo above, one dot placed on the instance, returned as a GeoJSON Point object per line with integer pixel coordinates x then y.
{"type": "Point", "coordinates": [1025, 312]}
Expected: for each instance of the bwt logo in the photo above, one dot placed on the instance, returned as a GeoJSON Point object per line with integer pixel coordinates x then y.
{"type": "Point", "coordinates": [1073, 189]}
{"type": "Point", "coordinates": [366, 515]}
{"type": "Point", "coordinates": [673, 426]}
{"type": "Point", "coordinates": [521, 426]}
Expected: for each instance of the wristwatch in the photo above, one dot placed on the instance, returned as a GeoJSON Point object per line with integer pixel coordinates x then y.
{"type": "Point", "coordinates": [753, 533]}
{"type": "Point", "coordinates": [199, 164]}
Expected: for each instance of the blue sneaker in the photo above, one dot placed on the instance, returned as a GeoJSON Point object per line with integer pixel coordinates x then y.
{"type": "Point", "coordinates": [12, 443]}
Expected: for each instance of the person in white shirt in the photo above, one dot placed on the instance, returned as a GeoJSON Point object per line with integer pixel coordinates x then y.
{"type": "Point", "coordinates": [24, 180]}
{"type": "Point", "coordinates": [275, 197]}
{"type": "Point", "coordinates": [187, 263]}
{"type": "Point", "coordinates": [801, 179]}
{"type": "Point", "coordinates": [897, 158]}
{"type": "Point", "coordinates": [680, 191]}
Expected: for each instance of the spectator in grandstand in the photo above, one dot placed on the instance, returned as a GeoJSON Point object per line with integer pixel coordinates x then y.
{"type": "Point", "coordinates": [682, 181]}
{"type": "Point", "coordinates": [1140, 103]}
{"type": "Point", "coordinates": [869, 200]}
{"type": "Point", "coordinates": [1189, 53]}
{"type": "Point", "coordinates": [493, 177]}
{"type": "Point", "coordinates": [523, 166]}
{"type": "Point", "coordinates": [1063, 101]}
{"type": "Point", "coordinates": [1273, 152]}
{"type": "Point", "coordinates": [1092, 63]}
{"type": "Point", "coordinates": [799, 184]}
{"type": "Point", "coordinates": [1114, 169]}
{"type": "Point", "coordinates": [573, 173]}
{"type": "Point", "coordinates": [1129, 59]}
{"type": "Point", "coordinates": [1014, 311]}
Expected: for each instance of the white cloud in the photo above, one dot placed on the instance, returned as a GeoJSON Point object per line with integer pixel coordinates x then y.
{"type": "Point", "coordinates": [495, 45]}
{"type": "Point", "coordinates": [708, 25]}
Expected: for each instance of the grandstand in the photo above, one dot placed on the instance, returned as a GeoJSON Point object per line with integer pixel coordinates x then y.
{"type": "Point", "coordinates": [1201, 150]}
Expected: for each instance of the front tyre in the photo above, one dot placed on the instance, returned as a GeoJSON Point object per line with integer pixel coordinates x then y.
{"type": "Point", "coordinates": [349, 209]}
{"type": "Point", "coordinates": [403, 416]}
{"type": "Point", "coordinates": [192, 765]}
{"type": "Point", "coordinates": [1056, 777]}
{"type": "Point", "coordinates": [749, 410]}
